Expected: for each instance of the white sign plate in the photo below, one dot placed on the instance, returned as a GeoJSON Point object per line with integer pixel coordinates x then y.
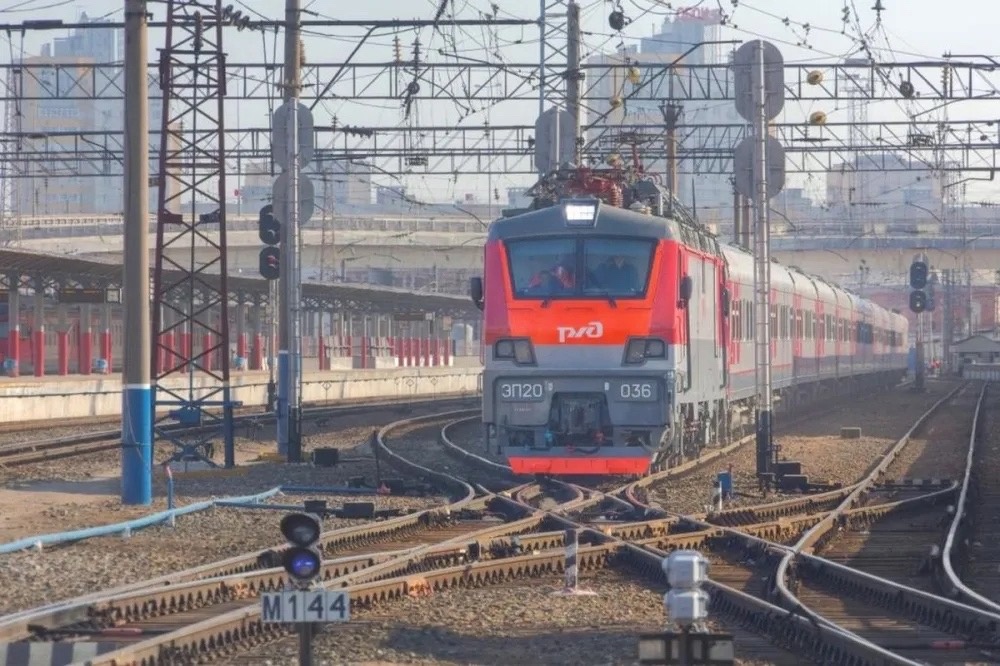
{"type": "Point", "coordinates": [310, 606]}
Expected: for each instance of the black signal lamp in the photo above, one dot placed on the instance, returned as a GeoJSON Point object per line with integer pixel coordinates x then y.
{"type": "Point", "coordinates": [302, 560]}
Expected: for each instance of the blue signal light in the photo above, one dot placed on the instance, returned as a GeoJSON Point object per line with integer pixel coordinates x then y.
{"type": "Point", "coordinates": [303, 563]}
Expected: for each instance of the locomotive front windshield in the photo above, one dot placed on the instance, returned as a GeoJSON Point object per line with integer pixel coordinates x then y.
{"type": "Point", "coordinates": [591, 267]}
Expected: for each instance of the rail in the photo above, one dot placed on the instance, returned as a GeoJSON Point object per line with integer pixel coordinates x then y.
{"type": "Point", "coordinates": [917, 600]}
{"type": "Point", "coordinates": [964, 591]}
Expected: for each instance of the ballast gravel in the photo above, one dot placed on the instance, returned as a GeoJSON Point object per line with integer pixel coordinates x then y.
{"type": "Point", "coordinates": [519, 623]}
{"type": "Point", "coordinates": [34, 578]}
{"type": "Point", "coordinates": [815, 442]}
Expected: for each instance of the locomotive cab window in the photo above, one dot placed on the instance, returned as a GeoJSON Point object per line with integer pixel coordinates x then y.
{"type": "Point", "coordinates": [616, 267]}
{"type": "Point", "coordinates": [580, 268]}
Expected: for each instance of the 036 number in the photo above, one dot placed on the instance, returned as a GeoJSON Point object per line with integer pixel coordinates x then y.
{"type": "Point", "coordinates": [521, 391]}
{"type": "Point", "coordinates": [636, 391]}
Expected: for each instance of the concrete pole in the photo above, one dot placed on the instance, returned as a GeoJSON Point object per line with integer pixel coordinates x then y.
{"type": "Point", "coordinates": [289, 240]}
{"type": "Point", "coordinates": [762, 283]}
{"type": "Point", "coordinates": [137, 408]}
{"type": "Point", "coordinates": [289, 332]}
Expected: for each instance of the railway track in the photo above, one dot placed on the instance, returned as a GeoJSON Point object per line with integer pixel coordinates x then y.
{"type": "Point", "coordinates": [441, 550]}
{"type": "Point", "coordinates": [971, 553]}
{"type": "Point", "coordinates": [19, 454]}
{"type": "Point", "coordinates": [865, 599]}
{"type": "Point", "coordinates": [433, 549]}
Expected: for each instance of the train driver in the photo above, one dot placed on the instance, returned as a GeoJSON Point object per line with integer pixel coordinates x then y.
{"type": "Point", "coordinates": [557, 279]}
{"type": "Point", "coordinates": [618, 274]}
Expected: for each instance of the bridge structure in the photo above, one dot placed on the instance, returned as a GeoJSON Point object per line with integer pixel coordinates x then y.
{"type": "Point", "coordinates": [441, 253]}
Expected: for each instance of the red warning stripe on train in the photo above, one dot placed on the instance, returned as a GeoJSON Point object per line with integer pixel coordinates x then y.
{"type": "Point", "coordinates": [579, 466]}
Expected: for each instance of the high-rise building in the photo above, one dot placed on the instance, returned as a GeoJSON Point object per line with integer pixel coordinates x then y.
{"type": "Point", "coordinates": [55, 107]}
{"type": "Point", "coordinates": [713, 193]}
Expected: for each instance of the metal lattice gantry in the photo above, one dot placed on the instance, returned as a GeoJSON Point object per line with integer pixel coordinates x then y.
{"type": "Point", "coordinates": [529, 84]}
{"type": "Point", "coordinates": [508, 148]}
{"type": "Point", "coordinates": [190, 311]}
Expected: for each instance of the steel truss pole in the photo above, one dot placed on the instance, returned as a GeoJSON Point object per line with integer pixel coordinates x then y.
{"type": "Point", "coordinates": [762, 276]}
{"type": "Point", "coordinates": [190, 313]}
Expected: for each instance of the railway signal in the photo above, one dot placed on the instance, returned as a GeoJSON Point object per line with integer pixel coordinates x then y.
{"type": "Point", "coordinates": [268, 227]}
{"type": "Point", "coordinates": [919, 273]}
{"type": "Point", "coordinates": [269, 232]}
{"type": "Point", "coordinates": [301, 603]}
{"type": "Point", "coordinates": [303, 559]}
{"type": "Point", "coordinates": [270, 263]}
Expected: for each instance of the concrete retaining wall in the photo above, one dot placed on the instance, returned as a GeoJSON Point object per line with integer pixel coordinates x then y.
{"type": "Point", "coordinates": [34, 400]}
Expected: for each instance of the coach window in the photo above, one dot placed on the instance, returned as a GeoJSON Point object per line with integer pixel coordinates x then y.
{"type": "Point", "coordinates": [736, 320]}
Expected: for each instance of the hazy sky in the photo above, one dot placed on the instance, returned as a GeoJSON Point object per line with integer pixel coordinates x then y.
{"type": "Point", "coordinates": [910, 30]}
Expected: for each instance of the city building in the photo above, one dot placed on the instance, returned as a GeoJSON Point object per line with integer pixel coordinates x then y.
{"type": "Point", "coordinates": [898, 191]}
{"type": "Point", "coordinates": [711, 194]}
{"type": "Point", "coordinates": [54, 119]}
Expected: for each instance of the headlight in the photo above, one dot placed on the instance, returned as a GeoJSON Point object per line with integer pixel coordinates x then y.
{"type": "Point", "coordinates": [640, 349]}
{"type": "Point", "coordinates": [519, 350]}
{"type": "Point", "coordinates": [504, 349]}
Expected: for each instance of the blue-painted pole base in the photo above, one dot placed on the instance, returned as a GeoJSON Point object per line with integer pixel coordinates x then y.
{"type": "Point", "coordinates": [284, 383]}
{"type": "Point", "coordinates": [137, 444]}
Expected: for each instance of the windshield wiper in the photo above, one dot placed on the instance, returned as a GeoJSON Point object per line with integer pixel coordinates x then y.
{"type": "Point", "coordinates": [607, 294]}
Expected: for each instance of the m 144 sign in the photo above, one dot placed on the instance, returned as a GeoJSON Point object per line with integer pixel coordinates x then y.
{"type": "Point", "coordinates": [305, 606]}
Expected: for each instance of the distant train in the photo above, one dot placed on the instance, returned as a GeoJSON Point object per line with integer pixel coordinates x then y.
{"type": "Point", "coordinates": [618, 341]}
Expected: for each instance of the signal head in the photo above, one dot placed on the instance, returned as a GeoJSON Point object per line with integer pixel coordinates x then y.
{"type": "Point", "coordinates": [301, 529]}
{"type": "Point", "coordinates": [302, 564]}
{"type": "Point", "coordinates": [270, 263]}
{"type": "Point", "coordinates": [268, 227]}
{"type": "Point", "coordinates": [918, 301]}
{"type": "Point", "coordinates": [918, 274]}
{"type": "Point", "coordinates": [303, 559]}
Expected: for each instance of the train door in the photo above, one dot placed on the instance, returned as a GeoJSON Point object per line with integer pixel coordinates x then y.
{"type": "Point", "coordinates": [696, 314]}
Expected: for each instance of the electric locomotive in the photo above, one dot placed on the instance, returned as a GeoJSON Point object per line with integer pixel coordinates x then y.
{"type": "Point", "coordinates": [607, 332]}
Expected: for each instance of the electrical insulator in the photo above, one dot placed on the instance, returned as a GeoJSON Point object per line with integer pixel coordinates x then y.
{"type": "Point", "coordinates": [617, 20]}
{"type": "Point", "coordinates": [302, 53]}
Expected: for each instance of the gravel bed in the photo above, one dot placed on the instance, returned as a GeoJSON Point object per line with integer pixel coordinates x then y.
{"type": "Point", "coordinates": [249, 441]}
{"type": "Point", "coordinates": [422, 446]}
{"type": "Point", "coordinates": [517, 623]}
{"type": "Point", "coordinates": [197, 539]}
{"type": "Point", "coordinates": [940, 448]}
{"type": "Point", "coordinates": [816, 443]}
{"type": "Point", "coordinates": [38, 432]}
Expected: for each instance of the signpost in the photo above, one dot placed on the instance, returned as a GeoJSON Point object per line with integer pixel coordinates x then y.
{"type": "Point", "coordinates": [303, 603]}
{"type": "Point", "coordinates": [298, 606]}
{"type": "Point", "coordinates": [91, 296]}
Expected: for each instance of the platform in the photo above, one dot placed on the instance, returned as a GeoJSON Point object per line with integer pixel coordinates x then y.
{"type": "Point", "coordinates": [50, 398]}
